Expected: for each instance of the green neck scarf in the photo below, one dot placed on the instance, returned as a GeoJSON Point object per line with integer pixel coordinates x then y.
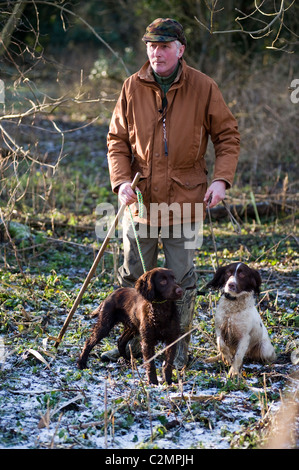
{"type": "Point", "coordinates": [166, 82]}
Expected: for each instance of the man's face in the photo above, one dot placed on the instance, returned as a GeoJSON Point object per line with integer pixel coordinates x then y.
{"type": "Point", "coordinates": [164, 56]}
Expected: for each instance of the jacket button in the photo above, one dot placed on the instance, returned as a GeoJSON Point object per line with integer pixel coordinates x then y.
{"type": "Point", "coordinates": [155, 188]}
{"type": "Point", "coordinates": [157, 155]}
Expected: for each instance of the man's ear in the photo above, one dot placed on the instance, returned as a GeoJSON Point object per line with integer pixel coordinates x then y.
{"type": "Point", "coordinates": [181, 51]}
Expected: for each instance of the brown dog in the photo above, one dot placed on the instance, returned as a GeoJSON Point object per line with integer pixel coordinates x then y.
{"type": "Point", "coordinates": [148, 310]}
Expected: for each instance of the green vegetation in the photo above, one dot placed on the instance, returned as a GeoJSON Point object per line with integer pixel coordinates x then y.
{"type": "Point", "coordinates": [202, 400]}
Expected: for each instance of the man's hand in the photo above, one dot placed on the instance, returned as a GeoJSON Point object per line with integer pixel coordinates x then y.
{"type": "Point", "coordinates": [126, 194]}
{"type": "Point", "coordinates": [216, 192]}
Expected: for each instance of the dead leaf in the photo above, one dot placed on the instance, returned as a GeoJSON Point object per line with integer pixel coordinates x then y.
{"type": "Point", "coordinates": [38, 356]}
{"type": "Point", "coordinates": [45, 420]}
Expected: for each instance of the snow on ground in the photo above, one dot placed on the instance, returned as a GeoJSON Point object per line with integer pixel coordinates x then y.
{"type": "Point", "coordinates": [110, 406]}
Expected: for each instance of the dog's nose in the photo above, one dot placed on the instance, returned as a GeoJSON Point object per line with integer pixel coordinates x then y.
{"type": "Point", "coordinates": [232, 286]}
{"type": "Point", "coordinates": [179, 291]}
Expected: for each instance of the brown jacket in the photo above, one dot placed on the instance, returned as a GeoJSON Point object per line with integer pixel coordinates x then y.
{"type": "Point", "coordinates": [136, 138]}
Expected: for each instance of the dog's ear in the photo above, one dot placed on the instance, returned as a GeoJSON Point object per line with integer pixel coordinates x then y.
{"type": "Point", "coordinates": [145, 286]}
{"type": "Point", "coordinates": [218, 280]}
{"type": "Point", "coordinates": [257, 281]}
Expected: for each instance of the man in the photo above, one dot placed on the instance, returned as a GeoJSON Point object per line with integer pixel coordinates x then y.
{"type": "Point", "coordinates": [160, 127]}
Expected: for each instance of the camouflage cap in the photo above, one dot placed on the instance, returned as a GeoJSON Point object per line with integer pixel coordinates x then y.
{"type": "Point", "coordinates": [164, 30]}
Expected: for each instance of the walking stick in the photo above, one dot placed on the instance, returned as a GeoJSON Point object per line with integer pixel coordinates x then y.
{"type": "Point", "coordinates": [94, 266]}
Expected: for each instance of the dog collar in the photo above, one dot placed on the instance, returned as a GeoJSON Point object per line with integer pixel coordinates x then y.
{"type": "Point", "coordinates": [159, 301]}
{"type": "Point", "coordinates": [228, 296]}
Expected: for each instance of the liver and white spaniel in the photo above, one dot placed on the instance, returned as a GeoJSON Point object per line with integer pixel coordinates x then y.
{"type": "Point", "coordinates": [239, 329]}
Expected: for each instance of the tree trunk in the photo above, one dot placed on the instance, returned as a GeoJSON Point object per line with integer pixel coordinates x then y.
{"type": "Point", "coordinates": [10, 26]}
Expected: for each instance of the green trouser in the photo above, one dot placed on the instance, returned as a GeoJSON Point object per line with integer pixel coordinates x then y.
{"type": "Point", "coordinates": [178, 257]}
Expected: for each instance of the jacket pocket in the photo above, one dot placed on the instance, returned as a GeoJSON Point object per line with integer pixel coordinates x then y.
{"type": "Point", "coordinates": [188, 186]}
{"type": "Point", "coordinates": [139, 166]}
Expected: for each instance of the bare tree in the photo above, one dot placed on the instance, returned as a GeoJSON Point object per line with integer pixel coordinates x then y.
{"type": "Point", "coordinates": [31, 115]}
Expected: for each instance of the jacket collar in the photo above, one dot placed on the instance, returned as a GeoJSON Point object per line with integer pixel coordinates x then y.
{"type": "Point", "coordinates": [146, 73]}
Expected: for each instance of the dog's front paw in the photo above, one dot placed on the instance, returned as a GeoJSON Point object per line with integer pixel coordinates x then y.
{"type": "Point", "coordinates": [227, 358]}
{"type": "Point", "coordinates": [167, 377]}
{"type": "Point", "coordinates": [233, 372]}
{"type": "Point", "coordinates": [153, 381]}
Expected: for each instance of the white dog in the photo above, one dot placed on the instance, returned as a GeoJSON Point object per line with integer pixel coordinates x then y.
{"type": "Point", "coordinates": [239, 329]}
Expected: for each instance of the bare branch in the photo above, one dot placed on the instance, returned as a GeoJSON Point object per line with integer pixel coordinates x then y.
{"type": "Point", "coordinates": [258, 31]}
{"type": "Point", "coordinates": [266, 30]}
{"type": "Point", "coordinates": [14, 147]}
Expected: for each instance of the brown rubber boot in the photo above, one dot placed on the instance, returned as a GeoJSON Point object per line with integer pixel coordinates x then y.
{"type": "Point", "coordinates": [113, 355]}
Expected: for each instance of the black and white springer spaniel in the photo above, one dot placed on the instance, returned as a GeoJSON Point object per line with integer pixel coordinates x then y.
{"type": "Point", "coordinates": [239, 329]}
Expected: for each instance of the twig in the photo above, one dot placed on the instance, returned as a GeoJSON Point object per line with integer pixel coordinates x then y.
{"type": "Point", "coordinates": [169, 345]}
{"type": "Point", "coordinates": [105, 413]}
{"type": "Point", "coordinates": [77, 427]}
{"type": "Point", "coordinates": [15, 252]}
{"type": "Point", "coordinates": [17, 148]}
{"type": "Point", "coordinates": [274, 246]}
{"type": "Point", "coordinates": [55, 432]}
{"type": "Point", "coordinates": [198, 398]}
{"type": "Point", "coordinates": [149, 414]}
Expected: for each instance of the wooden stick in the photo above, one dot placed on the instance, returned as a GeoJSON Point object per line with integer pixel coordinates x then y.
{"type": "Point", "coordinates": [94, 266]}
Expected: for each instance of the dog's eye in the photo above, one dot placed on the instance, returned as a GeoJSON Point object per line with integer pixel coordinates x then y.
{"type": "Point", "coordinates": [241, 274]}
{"type": "Point", "coordinates": [163, 282]}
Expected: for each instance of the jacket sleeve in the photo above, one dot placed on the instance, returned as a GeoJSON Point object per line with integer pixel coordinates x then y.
{"type": "Point", "coordinates": [119, 149]}
{"type": "Point", "coordinates": [225, 137]}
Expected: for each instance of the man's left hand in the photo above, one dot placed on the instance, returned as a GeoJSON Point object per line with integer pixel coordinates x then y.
{"type": "Point", "coordinates": [215, 193]}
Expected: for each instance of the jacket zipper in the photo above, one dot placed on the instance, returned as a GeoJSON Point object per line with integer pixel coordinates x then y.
{"type": "Point", "coordinates": [165, 136]}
